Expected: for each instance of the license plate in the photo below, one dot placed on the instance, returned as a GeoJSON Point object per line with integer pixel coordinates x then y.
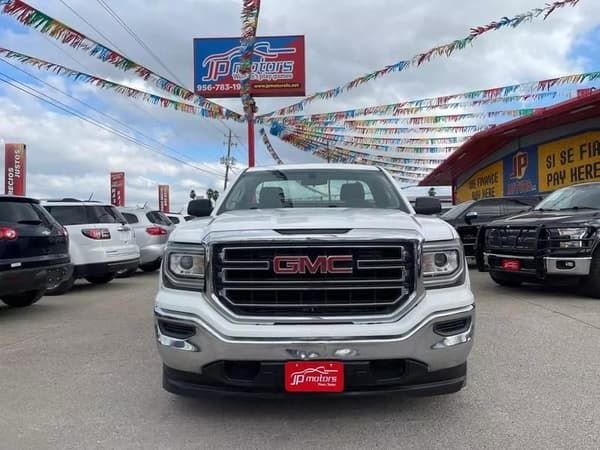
{"type": "Point", "coordinates": [513, 265]}
{"type": "Point", "coordinates": [314, 376]}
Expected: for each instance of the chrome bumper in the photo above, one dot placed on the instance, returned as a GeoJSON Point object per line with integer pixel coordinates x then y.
{"type": "Point", "coordinates": [568, 266]}
{"type": "Point", "coordinates": [419, 343]}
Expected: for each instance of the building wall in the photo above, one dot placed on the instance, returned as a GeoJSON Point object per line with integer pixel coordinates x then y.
{"type": "Point", "coordinates": [536, 164]}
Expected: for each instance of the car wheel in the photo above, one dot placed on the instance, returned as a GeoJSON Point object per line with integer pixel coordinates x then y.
{"type": "Point", "coordinates": [23, 299]}
{"type": "Point", "coordinates": [62, 288]}
{"type": "Point", "coordinates": [505, 280]}
{"type": "Point", "coordinates": [101, 279]}
{"type": "Point", "coordinates": [151, 267]}
{"type": "Point", "coordinates": [591, 284]}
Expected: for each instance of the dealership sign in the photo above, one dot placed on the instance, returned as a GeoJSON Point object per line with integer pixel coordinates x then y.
{"type": "Point", "coordinates": [117, 188]}
{"type": "Point", "coordinates": [15, 159]}
{"type": "Point", "coordinates": [537, 169]}
{"type": "Point", "coordinates": [278, 68]}
{"type": "Point", "coordinates": [164, 201]}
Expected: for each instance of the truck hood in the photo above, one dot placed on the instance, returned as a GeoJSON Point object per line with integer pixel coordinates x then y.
{"type": "Point", "coordinates": [431, 229]}
{"type": "Point", "coordinates": [552, 218]}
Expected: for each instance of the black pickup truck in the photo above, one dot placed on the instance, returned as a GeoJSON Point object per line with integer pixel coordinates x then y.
{"type": "Point", "coordinates": [558, 241]}
{"type": "Point", "coordinates": [34, 251]}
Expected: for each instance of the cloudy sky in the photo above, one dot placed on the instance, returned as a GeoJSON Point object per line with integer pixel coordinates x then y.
{"type": "Point", "coordinates": [344, 39]}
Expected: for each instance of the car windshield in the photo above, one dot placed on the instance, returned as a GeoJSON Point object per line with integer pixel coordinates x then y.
{"type": "Point", "coordinates": [82, 215]}
{"type": "Point", "coordinates": [455, 212]}
{"type": "Point", "coordinates": [158, 218]}
{"type": "Point", "coordinates": [320, 188]}
{"type": "Point", "coordinates": [22, 212]}
{"type": "Point", "coordinates": [575, 197]}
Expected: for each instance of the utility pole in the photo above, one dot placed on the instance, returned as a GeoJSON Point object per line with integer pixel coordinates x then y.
{"type": "Point", "coordinates": [229, 161]}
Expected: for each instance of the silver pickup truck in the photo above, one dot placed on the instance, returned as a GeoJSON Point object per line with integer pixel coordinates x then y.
{"type": "Point", "coordinates": [314, 279]}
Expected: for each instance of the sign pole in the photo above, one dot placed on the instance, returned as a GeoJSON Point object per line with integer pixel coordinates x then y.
{"type": "Point", "coordinates": [251, 154]}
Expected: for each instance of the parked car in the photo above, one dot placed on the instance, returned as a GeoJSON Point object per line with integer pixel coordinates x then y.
{"type": "Point", "coordinates": [178, 218]}
{"type": "Point", "coordinates": [469, 216]}
{"type": "Point", "coordinates": [558, 241]}
{"type": "Point", "coordinates": [152, 230]}
{"type": "Point", "coordinates": [100, 241]}
{"type": "Point", "coordinates": [314, 278]}
{"type": "Point", "coordinates": [34, 251]}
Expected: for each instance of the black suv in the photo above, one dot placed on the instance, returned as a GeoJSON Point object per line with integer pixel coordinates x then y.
{"type": "Point", "coordinates": [469, 216]}
{"type": "Point", "coordinates": [557, 241]}
{"type": "Point", "coordinates": [34, 251]}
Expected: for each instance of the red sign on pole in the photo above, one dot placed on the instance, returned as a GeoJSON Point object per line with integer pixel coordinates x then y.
{"type": "Point", "coordinates": [15, 172]}
{"type": "Point", "coordinates": [117, 188]}
{"type": "Point", "coordinates": [164, 200]}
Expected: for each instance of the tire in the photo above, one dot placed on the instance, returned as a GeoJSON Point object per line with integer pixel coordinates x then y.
{"type": "Point", "coordinates": [591, 283]}
{"type": "Point", "coordinates": [24, 299]}
{"type": "Point", "coordinates": [101, 279]}
{"type": "Point", "coordinates": [151, 267]}
{"type": "Point", "coordinates": [62, 288]}
{"type": "Point", "coordinates": [505, 280]}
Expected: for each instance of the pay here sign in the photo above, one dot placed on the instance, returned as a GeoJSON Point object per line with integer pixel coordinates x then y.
{"type": "Point", "coordinates": [278, 68]}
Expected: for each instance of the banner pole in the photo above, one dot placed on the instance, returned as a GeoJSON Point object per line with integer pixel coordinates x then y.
{"type": "Point", "coordinates": [251, 153]}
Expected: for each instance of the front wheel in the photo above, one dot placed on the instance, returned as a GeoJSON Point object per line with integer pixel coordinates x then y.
{"type": "Point", "coordinates": [101, 279]}
{"type": "Point", "coordinates": [505, 280]}
{"type": "Point", "coordinates": [23, 299]}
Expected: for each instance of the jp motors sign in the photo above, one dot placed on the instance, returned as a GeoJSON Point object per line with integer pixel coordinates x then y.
{"type": "Point", "coordinates": [278, 68]}
{"type": "Point", "coordinates": [15, 159]}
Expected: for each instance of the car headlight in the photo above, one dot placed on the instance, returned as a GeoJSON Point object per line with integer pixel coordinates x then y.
{"type": "Point", "coordinates": [443, 265]}
{"type": "Point", "coordinates": [184, 267]}
{"type": "Point", "coordinates": [572, 237]}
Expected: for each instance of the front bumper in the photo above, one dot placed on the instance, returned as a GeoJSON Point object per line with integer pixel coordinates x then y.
{"type": "Point", "coordinates": [212, 338]}
{"type": "Point", "coordinates": [541, 266]}
{"type": "Point", "coordinates": [16, 281]}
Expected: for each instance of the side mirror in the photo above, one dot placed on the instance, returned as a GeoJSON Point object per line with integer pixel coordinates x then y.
{"type": "Point", "coordinates": [471, 216]}
{"type": "Point", "coordinates": [200, 208]}
{"type": "Point", "coordinates": [428, 206]}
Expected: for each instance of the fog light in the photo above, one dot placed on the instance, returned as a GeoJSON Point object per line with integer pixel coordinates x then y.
{"type": "Point", "coordinates": [565, 265]}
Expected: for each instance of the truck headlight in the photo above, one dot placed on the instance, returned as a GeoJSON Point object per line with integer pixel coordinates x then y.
{"type": "Point", "coordinates": [443, 265]}
{"type": "Point", "coordinates": [184, 266]}
{"type": "Point", "coordinates": [571, 237]}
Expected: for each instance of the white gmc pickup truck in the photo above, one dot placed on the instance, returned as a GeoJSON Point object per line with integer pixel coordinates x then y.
{"type": "Point", "coordinates": [314, 279]}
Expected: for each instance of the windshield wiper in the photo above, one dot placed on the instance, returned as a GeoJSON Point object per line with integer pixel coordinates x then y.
{"type": "Point", "coordinates": [577, 208]}
{"type": "Point", "coordinates": [545, 209]}
{"type": "Point", "coordinates": [30, 222]}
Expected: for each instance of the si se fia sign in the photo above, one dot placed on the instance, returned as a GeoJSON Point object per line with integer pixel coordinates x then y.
{"type": "Point", "coordinates": [569, 161]}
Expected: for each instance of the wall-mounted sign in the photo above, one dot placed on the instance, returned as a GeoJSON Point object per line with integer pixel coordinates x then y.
{"type": "Point", "coordinates": [487, 183]}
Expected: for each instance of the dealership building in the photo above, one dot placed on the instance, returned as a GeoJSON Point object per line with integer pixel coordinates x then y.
{"type": "Point", "coordinates": [556, 147]}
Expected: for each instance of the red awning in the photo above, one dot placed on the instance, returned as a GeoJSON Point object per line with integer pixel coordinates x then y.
{"type": "Point", "coordinates": [486, 143]}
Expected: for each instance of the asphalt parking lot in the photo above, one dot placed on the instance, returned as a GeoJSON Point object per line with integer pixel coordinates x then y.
{"type": "Point", "coordinates": [81, 371]}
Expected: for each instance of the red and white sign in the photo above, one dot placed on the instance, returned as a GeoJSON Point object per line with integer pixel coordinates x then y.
{"type": "Point", "coordinates": [117, 188]}
{"type": "Point", "coordinates": [513, 265]}
{"type": "Point", "coordinates": [314, 376]}
{"type": "Point", "coordinates": [164, 199]}
{"type": "Point", "coordinates": [290, 265]}
{"type": "Point", "coordinates": [15, 169]}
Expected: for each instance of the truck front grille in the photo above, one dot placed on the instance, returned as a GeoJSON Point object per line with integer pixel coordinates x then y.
{"type": "Point", "coordinates": [314, 279]}
{"type": "Point", "coordinates": [513, 238]}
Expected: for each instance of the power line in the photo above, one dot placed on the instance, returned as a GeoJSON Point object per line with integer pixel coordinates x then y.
{"type": "Point", "coordinates": [135, 130]}
{"type": "Point", "coordinates": [133, 34]}
{"type": "Point", "coordinates": [65, 108]}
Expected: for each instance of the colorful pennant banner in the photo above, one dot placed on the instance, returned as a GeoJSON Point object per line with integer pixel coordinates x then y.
{"type": "Point", "coordinates": [442, 50]}
{"type": "Point", "coordinates": [404, 130]}
{"type": "Point", "coordinates": [250, 11]}
{"type": "Point", "coordinates": [270, 148]}
{"type": "Point", "coordinates": [106, 84]}
{"type": "Point", "coordinates": [398, 109]}
{"type": "Point", "coordinates": [36, 19]}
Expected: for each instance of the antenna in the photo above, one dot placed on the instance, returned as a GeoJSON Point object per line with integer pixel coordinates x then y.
{"type": "Point", "coordinates": [91, 196]}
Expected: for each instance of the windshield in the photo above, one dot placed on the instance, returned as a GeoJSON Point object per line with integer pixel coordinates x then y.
{"type": "Point", "coordinates": [455, 212]}
{"type": "Point", "coordinates": [321, 188]}
{"type": "Point", "coordinates": [583, 196]}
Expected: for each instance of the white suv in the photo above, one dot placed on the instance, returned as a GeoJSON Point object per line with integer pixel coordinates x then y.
{"type": "Point", "coordinates": [100, 241]}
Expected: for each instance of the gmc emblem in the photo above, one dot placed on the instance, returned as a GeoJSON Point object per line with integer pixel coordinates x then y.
{"type": "Point", "coordinates": [291, 265]}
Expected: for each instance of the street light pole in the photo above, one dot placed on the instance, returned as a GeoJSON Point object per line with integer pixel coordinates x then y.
{"type": "Point", "coordinates": [228, 161]}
